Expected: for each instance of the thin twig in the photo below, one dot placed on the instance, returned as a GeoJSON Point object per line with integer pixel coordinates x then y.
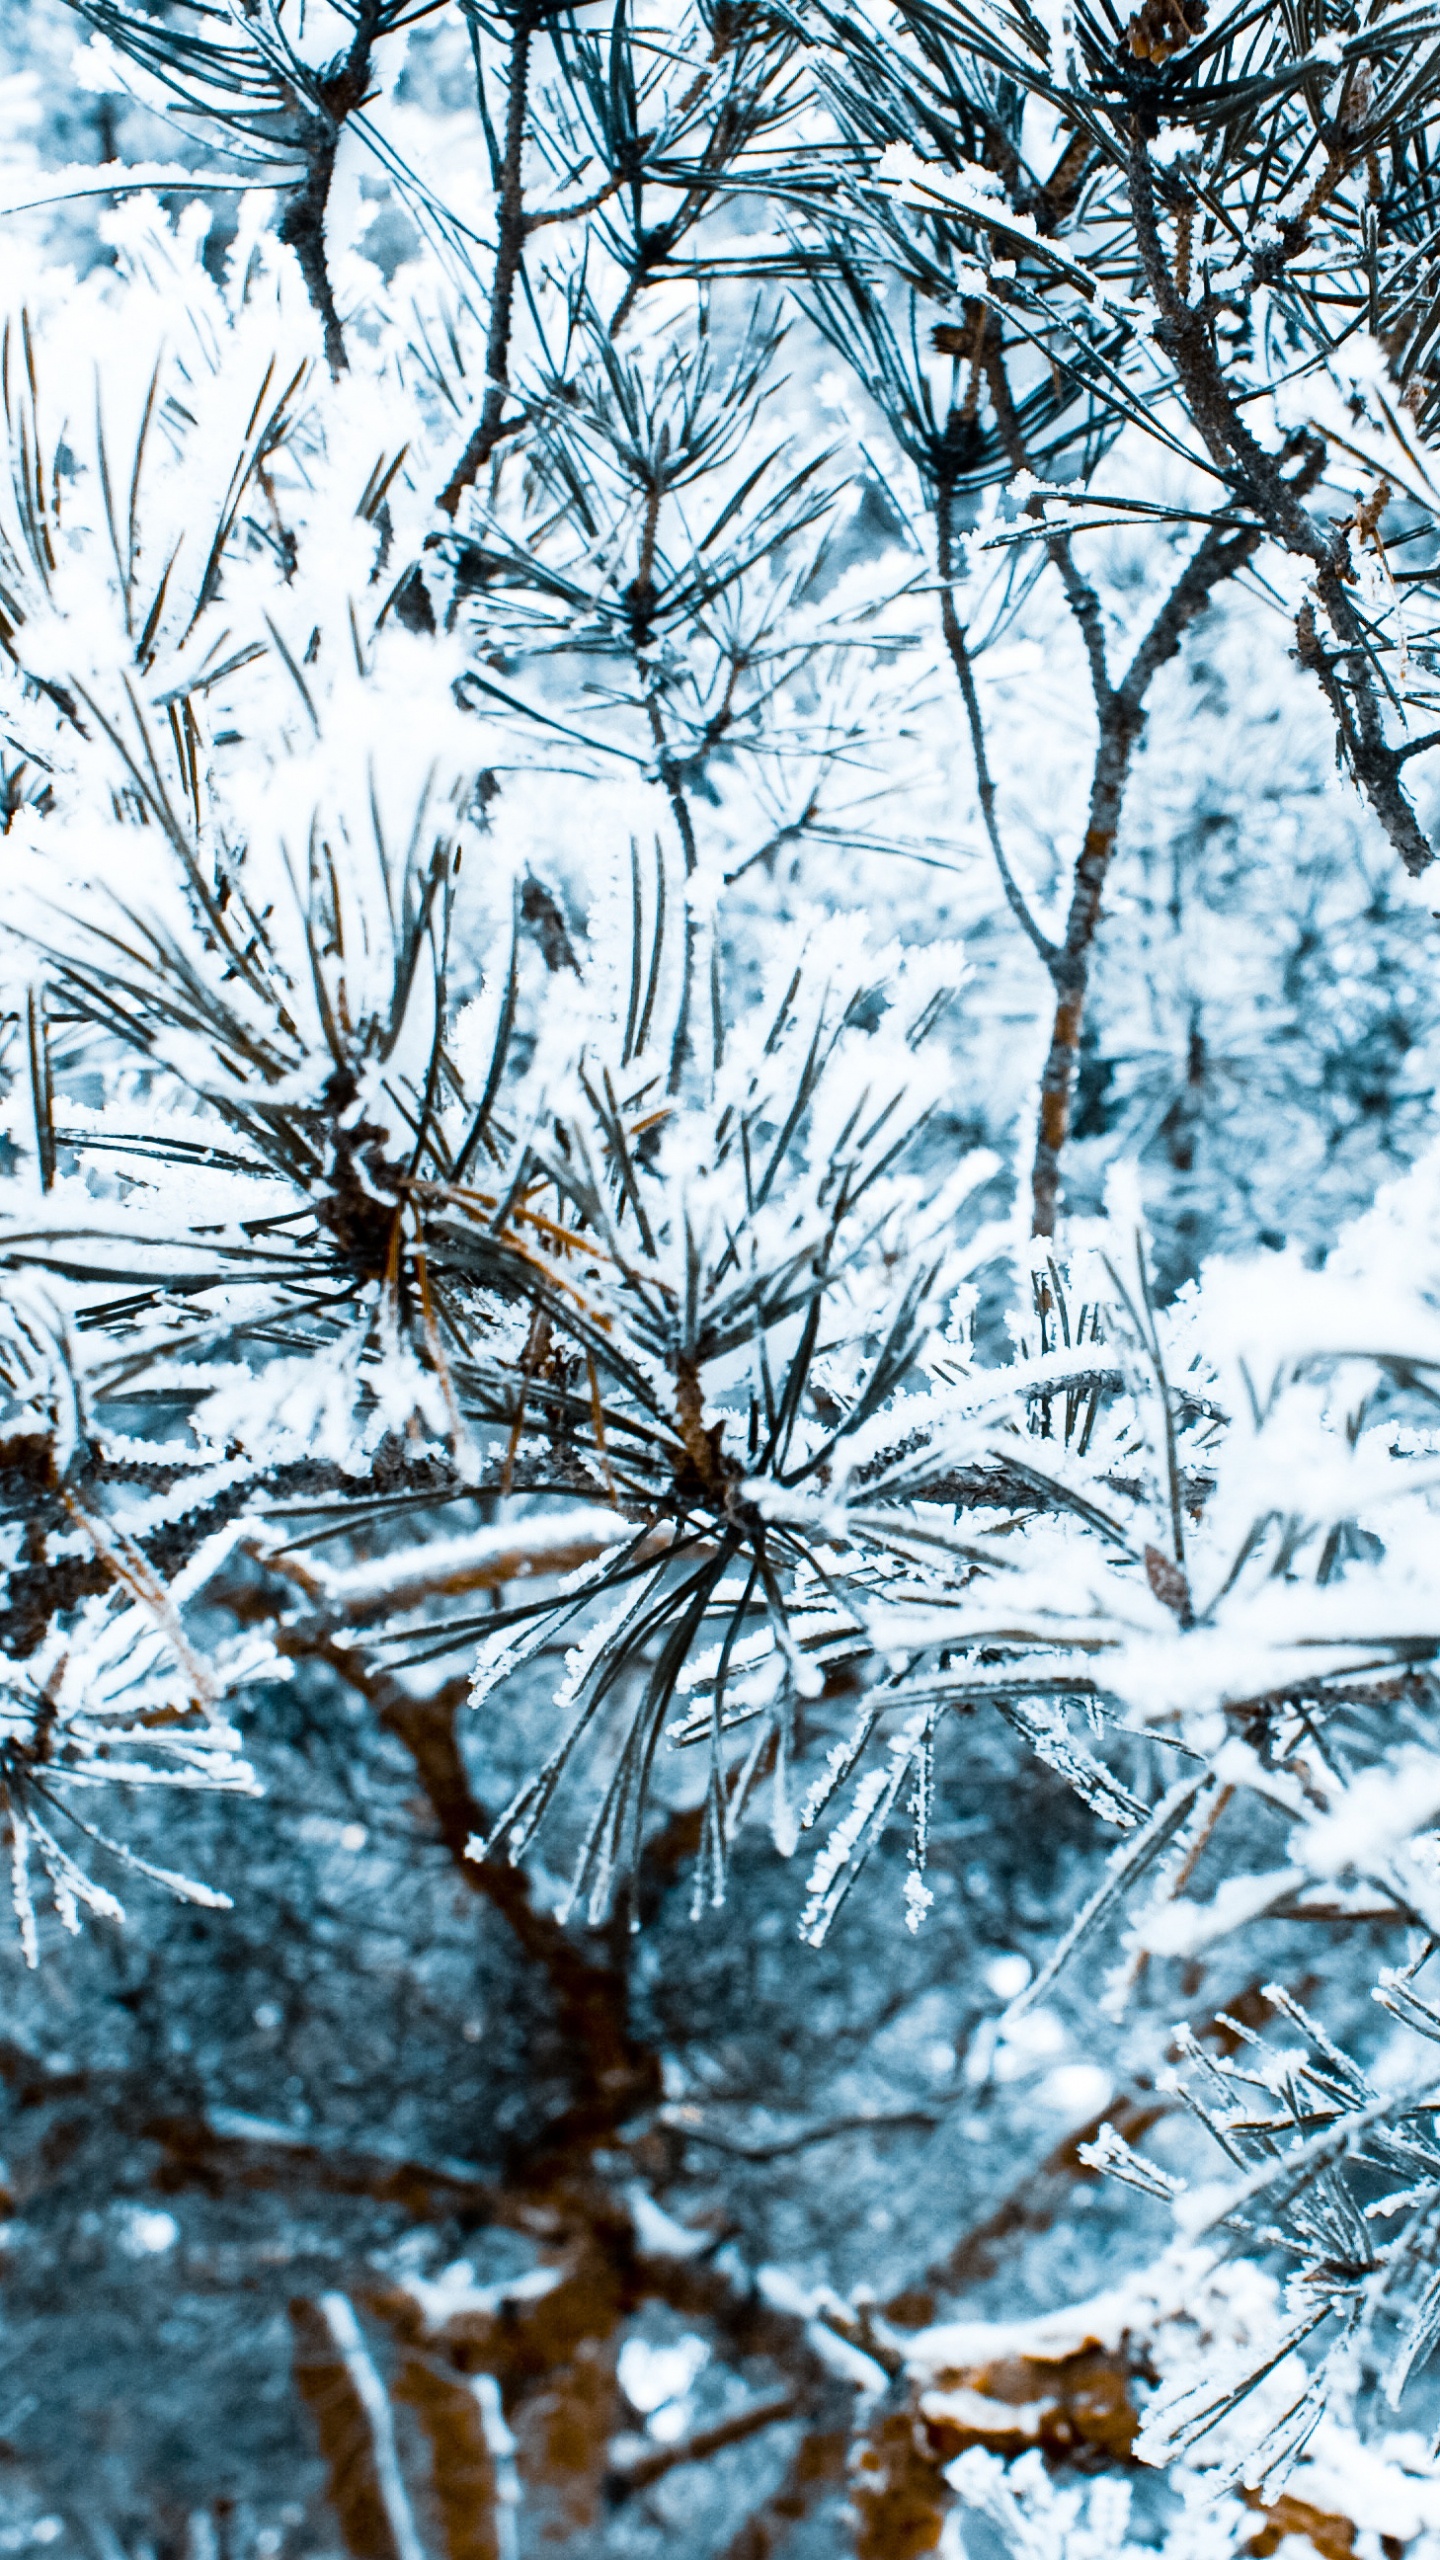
{"type": "Point", "coordinates": [511, 228]}
{"type": "Point", "coordinates": [956, 643]}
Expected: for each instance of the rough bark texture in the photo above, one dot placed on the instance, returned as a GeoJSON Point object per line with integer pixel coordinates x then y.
{"type": "Point", "coordinates": [509, 253]}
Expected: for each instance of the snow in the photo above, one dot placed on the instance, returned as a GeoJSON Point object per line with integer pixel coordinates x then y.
{"type": "Point", "coordinates": [399, 1160]}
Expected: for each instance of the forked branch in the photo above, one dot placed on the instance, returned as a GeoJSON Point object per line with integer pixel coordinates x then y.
{"type": "Point", "coordinates": [1221, 555]}
{"type": "Point", "coordinates": [1278, 503]}
{"type": "Point", "coordinates": [1120, 718]}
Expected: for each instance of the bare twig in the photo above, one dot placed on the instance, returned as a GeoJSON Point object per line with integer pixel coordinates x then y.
{"type": "Point", "coordinates": [337, 93]}
{"type": "Point", "coordinates": [1220, 556]}
{"type": "Point", "coordinates": [956, 643]}
{"type": "Point", "coordinates": [510, 235]}
{"type": "Point", "coordinates": [643, 2469]}
{"type": "Point", "coordinates": [1278, 504]}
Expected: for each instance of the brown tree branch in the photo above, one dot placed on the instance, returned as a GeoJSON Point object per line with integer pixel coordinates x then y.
{"type": "Point", "coordinates": [1278, 503]}
{"type": "Point", "coordinates": [642, 2470]}
{"type": "Point", "coordinates": [1221, 555]}
{"type": "Point", "coordinates": [1080, 595]}
{"type": "Point", "coordinates": [338, 92]}
{"type": "Point", "coordinates": [510, 235]}
{"type": "Point", "coordinates": [785, 2146]}
{"type": "Point", "coordinates": [225, 2151]}
{"type": "Point", "coordinates": [958, 646]}
{"type": "Point", "coordinates": [336, 2377]}
{"type": "Point", "coordinates": [1121, 718]}
{"type": "Point", "coordinates": [614, 2075]}
{"type": "Point", "coordinates": [468, 2471]}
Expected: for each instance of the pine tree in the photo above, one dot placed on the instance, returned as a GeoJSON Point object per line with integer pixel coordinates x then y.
{"type": "Point", "coordinates": [543, 1340]}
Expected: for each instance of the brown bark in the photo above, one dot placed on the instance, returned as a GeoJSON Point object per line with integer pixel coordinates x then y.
{"type": "Point", "coordinates": [509, 252]}
{"type": "Point", "coordinates": [1279, 505]}
{"type": "Point", "coordinates": [338, 93]}
{"type": "Point", "coordinates": [614, 2076]}
{"type": "Point", "coordinates": [1221, 555]}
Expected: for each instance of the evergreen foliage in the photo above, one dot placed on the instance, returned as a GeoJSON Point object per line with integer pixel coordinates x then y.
{"type": "Point", "coordinates": [715, 750]}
